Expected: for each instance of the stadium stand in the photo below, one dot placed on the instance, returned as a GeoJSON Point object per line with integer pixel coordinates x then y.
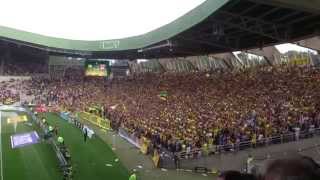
{"type": "Point", "coordinates": [178, 107]}
{"type": "Point", "coordinates": [8, 96]}
{"type": "Point", "coordinates": [182, 112]}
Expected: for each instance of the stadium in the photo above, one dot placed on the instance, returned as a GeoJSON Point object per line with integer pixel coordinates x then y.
{"type": "Point", "coordinates": [160, 90]}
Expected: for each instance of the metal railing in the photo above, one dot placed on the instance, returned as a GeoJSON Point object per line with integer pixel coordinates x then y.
{"type": "Point", "coordinates": [218, 149]}
{"type": "Point", "coordinates": [280, 139]}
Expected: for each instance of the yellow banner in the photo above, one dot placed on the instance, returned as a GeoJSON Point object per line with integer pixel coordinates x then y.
{"type": "Point", "coordinates": [17, 119]}
{"type": "Point", "coordinates": [144, 145]}
{"type": "Point", "coordinates": [156, 158]}
{"type": "Point", "coordinates": [102, 123]}
{"type": "Point", "coordinates": [300, 61]}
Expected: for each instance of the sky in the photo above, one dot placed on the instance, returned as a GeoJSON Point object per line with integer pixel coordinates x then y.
{"type": "Point", "coordinates": [92, 19]}
{"type": "Point", "coordinates": [283, 48]}
{"type": "Point", "coordinates": [97, 19]}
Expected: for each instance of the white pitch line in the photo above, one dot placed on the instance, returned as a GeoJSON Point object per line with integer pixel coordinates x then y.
{"type": "Point", "coordinates": [1, 147]}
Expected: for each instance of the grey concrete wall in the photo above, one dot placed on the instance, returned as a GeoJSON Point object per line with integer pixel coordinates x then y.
{"type": "Point", "coordinates": [236, 160]}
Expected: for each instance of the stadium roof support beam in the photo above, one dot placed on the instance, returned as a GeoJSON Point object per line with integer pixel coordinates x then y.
{"type": "Point", "coordinates": [268, 12]}
{"type": "Point", "coordinates": [312, 6]}
{"type": "Point", "coordinates": [248, 9]}
{"type": "Point", "coordinates": [228, 58]}
{"type": "Point", "coordinates": [250, 24]}
{"type": "Point", "coordinates": [209, 43]}
{"type": "Point", "coordinates": [269, 53]}
{"type": "Point", "coordinates": [311, 43]}
{"type": "Point", "coordinates": [163, 62]}
{"type": "Point", "coordinates": [287, 16]}
{"type": "Point", "coordinates": [227, 42]}
{"type": "Point", "coordinates": [162, 68]}
{"type": "Point", "coordinates": [167, 44]}
{"type": "Point", "coordinates": [191, 65]}
{"type": "Point", "coordinates": [229, 65]}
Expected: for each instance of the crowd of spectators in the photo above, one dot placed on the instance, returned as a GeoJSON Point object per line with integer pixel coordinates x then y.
{"type": "Point", "coordinates": [7, 94]}
{"type": "Point", "coordinates": [24, 68]}
{"type": "Point", "coordinates": [203, 110]}
{"type": "Point", "coordinates": [195, 110]}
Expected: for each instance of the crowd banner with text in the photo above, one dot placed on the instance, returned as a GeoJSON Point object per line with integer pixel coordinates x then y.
{"type": "Point", "coordinates": [300, 61]}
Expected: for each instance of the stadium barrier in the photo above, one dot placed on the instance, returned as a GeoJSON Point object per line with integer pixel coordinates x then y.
{"type": "Point", "coordinates": [96, 120]}
{"type": "Point", "coordinates": [130, 138]}
{"type": "Point", "coordinates": [280, 139]}
{"type": "Point", "coordinates": [65, 116]}
{"type": "Point", "coordinates": [140, 143]}
{"type": "Point", "coordinates": [10, 78]}
{"type": "Point", "coordinates": [166, 158]}
{"type": "Point", "coordinates": [73, 120]}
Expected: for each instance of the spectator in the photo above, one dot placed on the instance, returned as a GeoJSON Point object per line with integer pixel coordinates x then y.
{"type": "Point", "coordinates": [297, 168]}
{"type": "Point", "coordinates": [193, 110]}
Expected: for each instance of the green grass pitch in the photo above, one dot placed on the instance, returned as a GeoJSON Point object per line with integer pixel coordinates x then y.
{"type": "Point", "coordinates": [89, 158]}
{"type": "Point", "coordinates": [38, 161]}
{"type": "Point", "coordinates": [32, 162]}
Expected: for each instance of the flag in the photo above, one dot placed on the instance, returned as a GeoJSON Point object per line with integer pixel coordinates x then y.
{"type": "Point", "coordinates": [163, 95]}
{"type": "Point", "coordinates": [113, 107]}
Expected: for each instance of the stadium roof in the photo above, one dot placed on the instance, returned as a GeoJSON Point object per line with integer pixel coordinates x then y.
{"type": "Point", "coordinates": [215, 26]}
{"type": "Point", "coordinates": [94, 19]}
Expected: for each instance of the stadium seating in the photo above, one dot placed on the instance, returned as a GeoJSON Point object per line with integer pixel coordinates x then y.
{"type": "Point", "coordinates": [199, 110]}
